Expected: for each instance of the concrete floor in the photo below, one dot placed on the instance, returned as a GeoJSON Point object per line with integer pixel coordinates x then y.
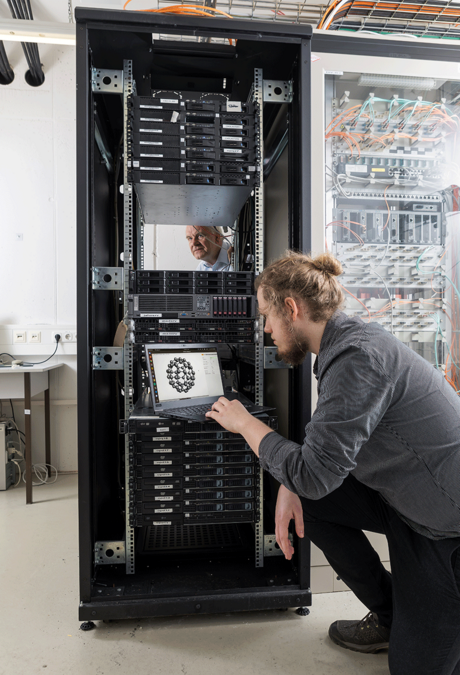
{"type": "Point", "coordinates": [39, 627]}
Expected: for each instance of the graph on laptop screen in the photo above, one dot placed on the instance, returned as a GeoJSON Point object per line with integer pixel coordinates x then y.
{"type": "Point", "coordinates": [184, 374]}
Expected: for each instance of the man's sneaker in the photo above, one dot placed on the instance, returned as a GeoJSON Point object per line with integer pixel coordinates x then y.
{"type": "Point", "coordinates": [366, 636]}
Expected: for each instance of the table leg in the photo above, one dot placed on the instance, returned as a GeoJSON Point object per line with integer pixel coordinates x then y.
{"type": "Point", "coordinates": [47, 427]}
{"type": "Point", "coordinates": [28, 437]}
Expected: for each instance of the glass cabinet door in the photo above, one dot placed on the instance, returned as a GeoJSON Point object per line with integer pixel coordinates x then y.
{"type": "Point", "coordinates": [390, 147]}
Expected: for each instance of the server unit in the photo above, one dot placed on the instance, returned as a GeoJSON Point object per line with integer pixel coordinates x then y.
{"type": "Point", "coordinates": [389, 185]}
{"type": "Point", "coordinates": [6, 466]}
{"type": "Point", "coordinates": [176, 516]}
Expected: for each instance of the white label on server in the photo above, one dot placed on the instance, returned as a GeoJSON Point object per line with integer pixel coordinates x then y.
{"type": "Point", "coordinates": [169, 100]}
{"type": "Point", "coordinates": [357, 168]}
{"type": "Point", "coordinates": [229, 138]}
{"type": "Point", "coordinates": [152, 131]}
{"type": "Point", "coordinates": [233, 151]}
{"type": "Point", "coordinates": [232, 126]}
{"type": "Point", "coordinates": [162, 452]}
{"type": "Point", "coordinates": [162, 462]}
{"type": "Point", "coordinates": [152, 107]}
{"type": "Point", "coordinates": [151, 181]}
{"type": "Point", "coordinates": [164, 499]}
{"type": "Point", "coordinates": [169, 321]}
{"type": "Point", "coordinates": [163, 511]}
{"type": "Point", "coordinates": [163, 429]}
{"type": "Point", "coordinates": [162, 522]}
{"type": "Point", "coordinates": [165, 334]}
{"type": "Point", "coordinates": [150, 315]}
{"type": "Point", "coordinates": [151, 168]}
{"type": "Point", "coordinates": [233, 106]}
{"type": "Point", "coordinates": [163, 438]}
{"type": "Point", "coordinates": [151, 142]}
{"type": "Point", "coordinates": [145, 155]}
{"type": "Point", "coordinates": [151, 119]}
{"type": "Point", "coordinates": [135, 164]}
{"type": "Point", "coordinates": [162, 475]}
{"type": "Point", "coordinates": [163, 487]}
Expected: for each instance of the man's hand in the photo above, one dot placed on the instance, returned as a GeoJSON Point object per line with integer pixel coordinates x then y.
{"type": "Point", "coordinates": [288, 507]}
{"type": "Point", "coordinates": [232, 415]}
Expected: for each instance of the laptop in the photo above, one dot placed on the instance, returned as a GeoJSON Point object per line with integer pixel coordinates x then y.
{"type": "Point", "coordinates": [186, 380]}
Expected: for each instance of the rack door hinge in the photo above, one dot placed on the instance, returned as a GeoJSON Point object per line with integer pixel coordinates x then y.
{"type": "Point", "coordinates": [272, 360]}
{"type": "Point", "coordinates": [278, 91]}
{"type": "Point", "coordinates": [107, 358]}
{"type": "Point", "coordinates": [271, 548]}
{"type": "Point", "coordinates": [107, 278]}
{"type": "Point", "coordinates": [107, 81]}
{"type": "Point", "coordinates": [109, 552]}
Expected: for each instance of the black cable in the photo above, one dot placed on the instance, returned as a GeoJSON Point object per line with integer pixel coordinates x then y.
{"type": "Point", "coordinates": [27, 364]}
{"type": "Point", "coordinates": [12, 410]}
{"type": "Point", "coordinates": [16, 13]}
{"type": "Point", "coordinates": [24, 12]}
{"type": "Point", "coordinates": [27, 9]}
{"type": "Point", "coordinates": [5, 69]}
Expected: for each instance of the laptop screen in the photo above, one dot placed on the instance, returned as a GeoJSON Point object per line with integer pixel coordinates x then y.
{"type": "Point", "coordinates": [183, 374]}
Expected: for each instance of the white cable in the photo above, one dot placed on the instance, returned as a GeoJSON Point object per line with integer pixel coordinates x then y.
{"type": "Point", "coordinates": [389, 297]}
{"type": "Point", "coordinates": [339, 6]}
{"type": "Point", "coordinates": [41, 472]}
{"type": "Point", "coordinates": [19, 469]}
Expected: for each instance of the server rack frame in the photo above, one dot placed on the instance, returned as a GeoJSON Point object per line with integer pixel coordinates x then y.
{"type": "Point", "coordinates": [93, 247]}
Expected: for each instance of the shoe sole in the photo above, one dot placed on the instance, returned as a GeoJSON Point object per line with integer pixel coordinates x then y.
{"type": "Point", "coordinates": [362, 649]}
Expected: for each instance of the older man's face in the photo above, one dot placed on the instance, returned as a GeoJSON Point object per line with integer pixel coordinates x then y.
{"type": "Point", "coordinates": [204, 244]}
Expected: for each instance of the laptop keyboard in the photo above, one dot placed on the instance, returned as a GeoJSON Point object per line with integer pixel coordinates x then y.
{"type": "Point", "coordinates": [194, 410]}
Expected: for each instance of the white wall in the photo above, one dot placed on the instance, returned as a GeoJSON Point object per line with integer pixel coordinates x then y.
{"type": "Point", "coordinates": [165, 248]}
{"type": "Point", "coordinates": [37, 227]}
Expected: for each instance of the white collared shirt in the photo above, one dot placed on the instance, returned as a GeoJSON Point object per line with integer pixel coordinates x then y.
{"type": "Point", "coordinates": [222, 263]}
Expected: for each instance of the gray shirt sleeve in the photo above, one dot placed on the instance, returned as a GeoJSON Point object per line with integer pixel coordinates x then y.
{"type": "Point", "coordinates": [353, 397]}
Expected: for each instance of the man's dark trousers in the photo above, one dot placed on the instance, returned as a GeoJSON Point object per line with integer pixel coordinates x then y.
{"type": "Point", "coordinates": [419, 600]}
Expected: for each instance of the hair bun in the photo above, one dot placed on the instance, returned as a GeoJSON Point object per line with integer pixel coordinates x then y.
{"type": "Point", "coordinates": [327, 263]}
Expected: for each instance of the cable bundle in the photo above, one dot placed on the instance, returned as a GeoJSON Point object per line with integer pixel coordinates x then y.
{"type": "Point", "coordinates": [6, 72]}
{"type": "Point", "coordinates": [21, 9]}
{"type": "Point", "coordinates": [405, 11]}
{"type": "Point", "coordinates": [190, 10]}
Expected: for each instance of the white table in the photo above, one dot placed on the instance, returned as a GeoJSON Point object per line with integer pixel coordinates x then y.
{"type": "Point", "coordinates": [24, 383]}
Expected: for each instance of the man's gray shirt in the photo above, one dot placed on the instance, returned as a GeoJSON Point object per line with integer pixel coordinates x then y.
{"type": "Point", "coordinates": [386, 416]}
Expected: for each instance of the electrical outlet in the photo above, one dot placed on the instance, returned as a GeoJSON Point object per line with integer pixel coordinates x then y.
{"type": "Point", "coordinates": [35, 336]}
{"type": "Point", "coordinates": [66, 335]}
{"type": "Point", "coordinates": [19, 336]}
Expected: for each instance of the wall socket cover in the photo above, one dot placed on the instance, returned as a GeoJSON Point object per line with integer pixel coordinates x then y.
{"type": "Point", "coordinates": [19, 336]}
{"type": "Point", "coordinates": [67, 335]}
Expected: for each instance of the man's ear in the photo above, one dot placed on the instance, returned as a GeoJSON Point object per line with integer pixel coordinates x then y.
{"type": "Point", "coordinates": [292, 308]}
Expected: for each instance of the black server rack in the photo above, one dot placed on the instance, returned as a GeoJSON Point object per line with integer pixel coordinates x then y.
{"type": "Point", "coordinates": [176, 517]}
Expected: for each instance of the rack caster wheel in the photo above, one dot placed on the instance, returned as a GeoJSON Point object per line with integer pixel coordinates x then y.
{"type": "Point", "coordinates": [87, 625]}
{"type": "Point", "coordinates": [302, 611]}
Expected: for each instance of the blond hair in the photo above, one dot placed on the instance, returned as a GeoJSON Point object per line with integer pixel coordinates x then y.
{"type": "Point", "coordinates": [310, 281]}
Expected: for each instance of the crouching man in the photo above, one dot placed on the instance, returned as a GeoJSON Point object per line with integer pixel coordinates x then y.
{"type": "Point", "coordinates": [381, 453]}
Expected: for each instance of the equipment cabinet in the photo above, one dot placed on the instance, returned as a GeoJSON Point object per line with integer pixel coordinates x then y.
{"type": "Point", "coordinates": [128, 569]}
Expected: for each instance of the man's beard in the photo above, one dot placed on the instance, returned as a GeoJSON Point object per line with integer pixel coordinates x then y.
{"type": "Point", "coordinates": [297, 349]}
